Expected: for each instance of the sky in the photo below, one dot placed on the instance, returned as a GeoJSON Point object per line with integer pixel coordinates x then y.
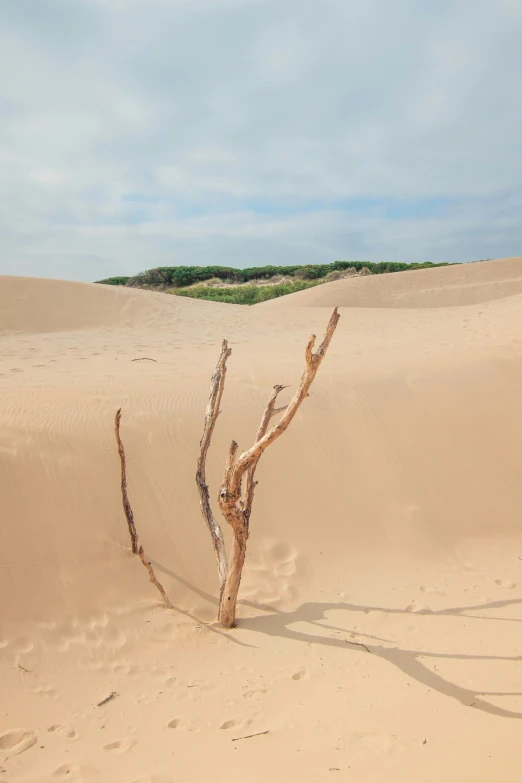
{"type": "Point", "coordinates": [144, 133]}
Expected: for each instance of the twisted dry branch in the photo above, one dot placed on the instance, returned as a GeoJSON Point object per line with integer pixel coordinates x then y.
{"type": "Point", "coordinates": [214, 401]}
{"type": "Point", "coordinates": [236, 509]}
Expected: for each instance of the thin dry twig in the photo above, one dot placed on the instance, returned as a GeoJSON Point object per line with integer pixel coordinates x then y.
{"type": "Point", "coordinates": [125, 497]}
{"type": "Point", "coordinates": [358, 644]}
{"type": "Point", "coordinates": [152, 576]}
{"type": "Point", "coordinates": [130, 517]}
{"type": "Point", "coordinates": [211, 414]}
{"type": "Point", "coordinates": [110, 697]}
{"type": "Point", "coordinates": [251, 485]}
{"type": "Point", "coordinates": [248, 736]}
{"type": "Point", "coordinates": [143, 359]}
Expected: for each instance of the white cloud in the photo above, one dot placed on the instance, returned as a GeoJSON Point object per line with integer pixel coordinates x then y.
{"type": "Point", "coordinates": [231, 131]}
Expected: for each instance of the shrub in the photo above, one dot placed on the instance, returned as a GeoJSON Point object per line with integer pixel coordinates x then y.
{"type": "Point", "coordinates": [182, 276]}
{"type": "Point", "coordinates": [122, 280]}
{"type": "Point", "coordinates": [243, 295]}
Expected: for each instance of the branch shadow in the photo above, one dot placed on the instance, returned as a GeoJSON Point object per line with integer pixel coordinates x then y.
{"type": "Point", "coordinates": [212, 599]}
{"type": "Point", "coordinates": [276, 623]}
{"type": "Point", "coordinates": [407, 661]}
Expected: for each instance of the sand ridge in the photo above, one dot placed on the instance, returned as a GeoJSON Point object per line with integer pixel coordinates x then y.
{"type": "Point", "coordinates": [382, 596]}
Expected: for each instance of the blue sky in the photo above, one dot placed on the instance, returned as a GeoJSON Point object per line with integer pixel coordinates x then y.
{"type": "Point", "coordinates": [138, 133]}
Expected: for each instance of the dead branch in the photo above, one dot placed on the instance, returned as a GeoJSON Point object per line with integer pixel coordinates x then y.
{"type": "Point", "coordinates": [235, 509]}
{"type": "Point", "coordinates": [152, 576]}
{"type": "Point", "coordinates": [212, 412]}
{"type": "Point", "coordinates": [108, 698]}
{"type": "Point", "coordinates": [251, 485]}
{"type": "Point", "coordinates": [130, 516]}
{"type": "Point", "coordinates": [249, 736]}
{"type": "Point", "coordinates": [125, 497]}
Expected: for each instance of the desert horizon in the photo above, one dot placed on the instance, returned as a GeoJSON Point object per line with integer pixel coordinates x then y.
{"type": "Point", "coordinates": [382, 589]}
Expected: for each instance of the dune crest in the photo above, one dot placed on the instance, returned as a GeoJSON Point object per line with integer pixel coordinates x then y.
{"type": "Point", "coordinates": [382, 594]}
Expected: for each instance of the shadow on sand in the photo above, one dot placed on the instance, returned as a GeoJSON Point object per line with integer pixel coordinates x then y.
{"type": "Point", "coordinates": [277, 623]}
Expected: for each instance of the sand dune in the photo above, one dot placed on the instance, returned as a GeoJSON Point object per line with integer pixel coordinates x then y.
{"type": "Point", "coordinates": [381, 600]}
{"type": "Point", "coordinates": [454, 286]}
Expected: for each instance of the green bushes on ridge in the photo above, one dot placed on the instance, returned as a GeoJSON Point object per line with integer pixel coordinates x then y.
{"type": "Point", "coordinates": [244, 294]}
{"type": "Point", "coordinates": [183, 276]}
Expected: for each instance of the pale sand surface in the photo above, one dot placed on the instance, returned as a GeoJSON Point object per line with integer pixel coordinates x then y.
{"type": "Point", "coordinates": [389, 516]}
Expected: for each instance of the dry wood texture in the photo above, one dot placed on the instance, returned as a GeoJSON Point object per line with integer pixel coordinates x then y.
{"type": "Point", "coordinates": [130, 516]}
{"type": "Point", "coordinates": [212, 412]}
{"type": "Point", "coordinates": [235, 500]}
{"type": "Point", "coordinates": [125, 497]}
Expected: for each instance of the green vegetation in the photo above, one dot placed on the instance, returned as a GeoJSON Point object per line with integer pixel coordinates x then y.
{"type": "Point", "coordinates": [182, 276]}
{"type": "Point", "coordinates": [122, 280]}
{"type": "Point", "coordinates": [254, 284]}
{"type": "Point", "coordinates": [244, 294]}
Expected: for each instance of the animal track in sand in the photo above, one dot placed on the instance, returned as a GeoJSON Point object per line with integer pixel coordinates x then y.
{"type": "Point", "coordinates": [63, 730]}
{"type": "Point", "coordinates": [505, 583]}
{"type": "Point", "coordinates": [15, 741]}
{"type": "Point", "coordinates": [175, 723]}
{"type": "Point", "coordinates": [120, 746]}
{"type": "Point", "coordinates": [301, 675]}
{"type": "Point", "coordinates": [75, 772]}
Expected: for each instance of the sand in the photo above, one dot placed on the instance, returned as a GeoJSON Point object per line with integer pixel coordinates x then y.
{"type": "Point", "coordinates": [381, 602]}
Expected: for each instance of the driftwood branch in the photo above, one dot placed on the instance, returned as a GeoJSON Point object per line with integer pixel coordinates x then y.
{"type": "Point", "coordinates": [237, 510]}
{"type": "Point", "coordinates": [212, 412]}
{"type": "Point", "coordinates": [130, 516]}
{"type": "Point", "coordinates": [125, 497]}
{"type": "Point", "coordinates": [152, 576]}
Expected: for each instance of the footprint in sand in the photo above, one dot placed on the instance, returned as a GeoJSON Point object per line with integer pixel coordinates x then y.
{"type": "Point", "coordinates": [229, 724]}
{"type": "Point", "coordinates": [505, 583]}
{"type": "Point", "coordinates": [235, 724]}
{"type": "Point", "coordinates": [179, 723]}
{"type": "Point", "coordinates": [63, 730]}
{"type": "Point", "coordinates": [300, 675]}
{"type": "Point", "coordinates": [44, 690]}
{"type": "Point", "coordinates": [418, 608]}
{"type": "Point", "coordinates": [120, 746]}
{"type": "Point", "coordinates": [254, 693]}
{"type": "Point", "coordinates": [431, 590]}
{"type": "Point", "coordinates": [75, 772]}
{"type": "Point", "coordinates": [15, 741]}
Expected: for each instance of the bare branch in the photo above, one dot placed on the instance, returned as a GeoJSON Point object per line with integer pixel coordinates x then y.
{"type": "Point", "coordinates": [212, 412]}
{"type": "Point", "coordinates": [251, 485]}
{"type": "Point", "coordinates": [313, 360]}
{"type": "Point", "coordinates": [130, 516]}
{"type": "Point", "coordinates": [125, 497]}
{"type": "Point", "coordinates": [237, 511]}
{"type": "Point", "coordinates": [152, 576]}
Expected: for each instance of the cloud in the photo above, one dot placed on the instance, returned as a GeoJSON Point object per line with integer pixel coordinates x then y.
{"type": "Point", "coordinates": [237, 132]}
